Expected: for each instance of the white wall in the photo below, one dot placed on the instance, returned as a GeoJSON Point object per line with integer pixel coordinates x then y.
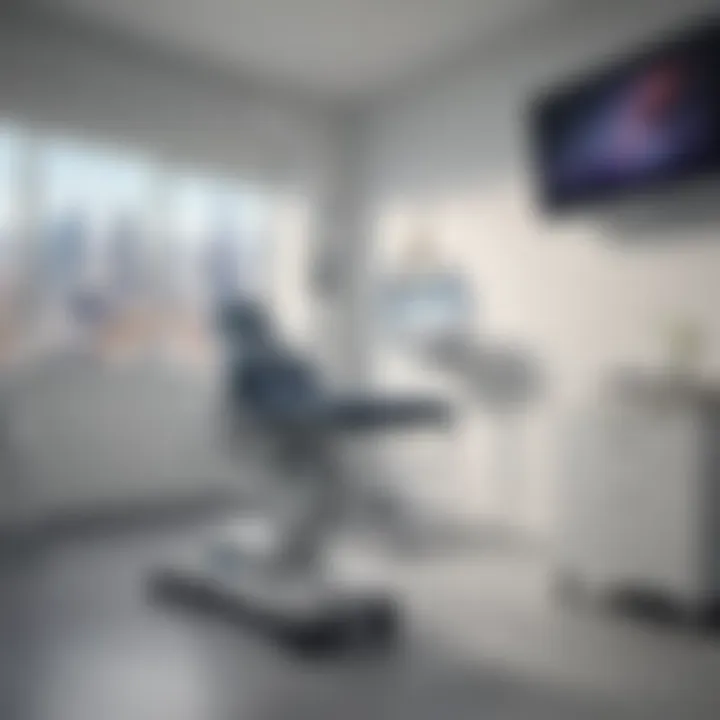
{"type": "Point", "coordinates": [96, 436]}
{"type": "Point", "coordinates": [81, 435]}
{"type": "Point", "coordinates": [583, 295]}
{"type": "Point", "coordinates": [56, 78]}
{"type": "Point", "coordinates": [62, 78]}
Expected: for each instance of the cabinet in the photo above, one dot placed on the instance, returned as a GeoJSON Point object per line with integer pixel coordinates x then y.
{"type": "Point", "coordinates": [639, 505]}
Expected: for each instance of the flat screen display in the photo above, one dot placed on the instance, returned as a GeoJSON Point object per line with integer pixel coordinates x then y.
{"type": "Point", "coordinates": [645, 123]}
{"type": "Point", "coordinates": [420, 306]}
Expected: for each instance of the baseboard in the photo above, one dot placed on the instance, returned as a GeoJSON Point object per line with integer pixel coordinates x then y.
{"type": "Point", "coordinates": [639, 603]}
{"type": "Point", "coordinates": [116, 517]}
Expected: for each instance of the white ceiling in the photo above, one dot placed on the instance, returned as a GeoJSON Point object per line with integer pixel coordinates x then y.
{"type": "Point", "coordinates": [338, 47]}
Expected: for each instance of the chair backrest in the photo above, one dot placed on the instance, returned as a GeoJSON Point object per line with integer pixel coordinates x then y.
{"type": "Point", "coordinates": [245, 328]}
{"type": "Point", "coordinates": [261, 370]}
{"type": "Point", "coordinates": [274, 383]}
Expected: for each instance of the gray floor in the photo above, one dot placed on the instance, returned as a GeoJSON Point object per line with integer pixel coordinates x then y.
{"type": "Point", "coordinates": [79, 640]}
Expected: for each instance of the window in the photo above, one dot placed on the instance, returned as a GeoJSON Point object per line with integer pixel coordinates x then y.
{"type": "Point", "coordinates": [115, 235]}
{"type": "Point", "coordinates": [11, 151]}
{"type": "Point", "coordinates": [11, 259]}
{"type": "Point", "coordinates": [96, 211]}
{"type": "Point", "coordinates": [221, 235]}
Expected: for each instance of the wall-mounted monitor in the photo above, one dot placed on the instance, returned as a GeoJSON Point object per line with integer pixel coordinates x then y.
{"type": "Point", "coordinates": [642, 124]}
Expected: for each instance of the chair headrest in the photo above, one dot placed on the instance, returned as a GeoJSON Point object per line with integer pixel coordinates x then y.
{"type": "Point", "coordinates": [245, 322]}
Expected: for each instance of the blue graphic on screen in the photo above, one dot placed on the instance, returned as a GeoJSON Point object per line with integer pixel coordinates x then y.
{"type": "Point", "coordinates": [656, 120]}
{"type": "Point", "coordinates": [644, 126]}
{"type": "Point", "coordinates": [426, 304]}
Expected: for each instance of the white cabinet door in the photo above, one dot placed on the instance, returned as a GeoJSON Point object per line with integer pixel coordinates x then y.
{"type": "Point", "coordinates": [632, 514]}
